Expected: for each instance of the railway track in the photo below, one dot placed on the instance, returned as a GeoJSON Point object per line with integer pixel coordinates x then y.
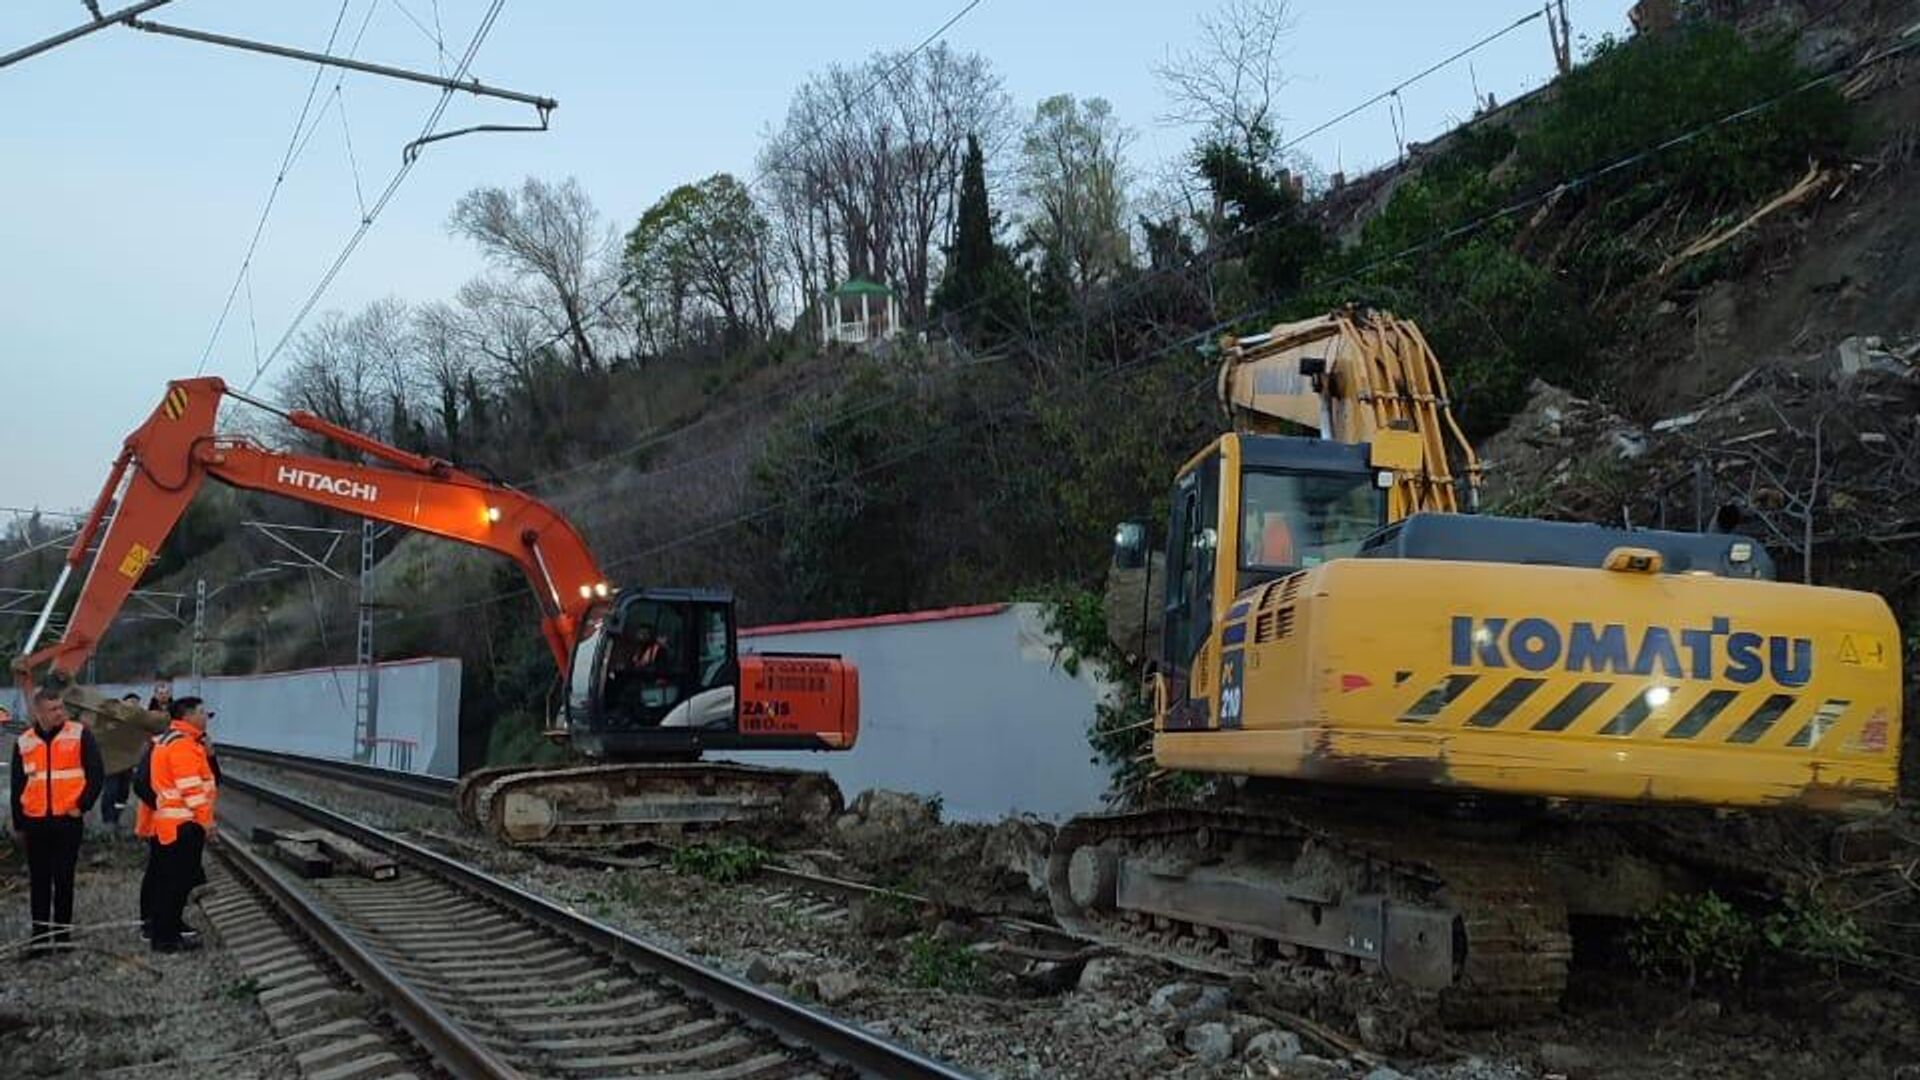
{"type": "Point", "coordinates": [414, 787]}
{"type": "Point", "coordinates": [495, 982]}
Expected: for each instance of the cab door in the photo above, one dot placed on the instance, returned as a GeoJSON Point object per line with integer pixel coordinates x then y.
{"type": "Point", "coordinates": [1192, 549]}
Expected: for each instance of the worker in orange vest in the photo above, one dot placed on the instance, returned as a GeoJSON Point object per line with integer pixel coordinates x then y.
{"type": "Point", "coordinates": [184, 790]}
{"type": "Point", "coordinates": [57, 775]}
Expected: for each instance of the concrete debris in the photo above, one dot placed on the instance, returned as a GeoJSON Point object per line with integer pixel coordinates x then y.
{"type": "Point", "coordinates": [1187, 1001]}
{"type": "Point", "coordinates": [1861, 354]}
{"type": "Point", "coordinates": [893, 810]}
{"type": "Point", "coordinates": [836, 987]}
{"type": "Point", "coordinates": [1274, 1047]}
{"type": "Point", "coordinates": [1209, 1042]}
{"type": "Point", "coordinates": [1021, 846]}
{"type": "Point", "coordinates": [1100, 974]}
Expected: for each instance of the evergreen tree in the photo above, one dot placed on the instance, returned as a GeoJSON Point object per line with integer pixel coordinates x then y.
{"type": "Point", "coordinates": [979, 294]}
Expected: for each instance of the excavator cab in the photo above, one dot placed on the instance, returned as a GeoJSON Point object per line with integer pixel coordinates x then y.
{"type": "Point", "coordinates": [1273, 504]}
{"type": "Point", "coordinates": [657, 675]}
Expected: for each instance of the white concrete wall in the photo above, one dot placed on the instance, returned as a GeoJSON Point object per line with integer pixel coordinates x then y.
{"type": "Point", "coordinates": [311, 711]}
{"type": "Point", "coordinates": [970, 709]}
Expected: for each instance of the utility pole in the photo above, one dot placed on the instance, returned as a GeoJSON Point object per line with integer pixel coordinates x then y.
{"type": "Point", "coordinates": [199, 628]}
{"type": "Point", "coordinates": [366, 718]}
{"type": "Point", "coordinates": [1560, 33]}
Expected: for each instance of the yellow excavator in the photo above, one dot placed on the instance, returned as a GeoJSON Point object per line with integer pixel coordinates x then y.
{"type": "Point", "coordinates": [1405, 694]}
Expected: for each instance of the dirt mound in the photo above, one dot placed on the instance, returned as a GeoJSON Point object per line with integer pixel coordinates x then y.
{"type": "Point", "coordinates": [897, 840]}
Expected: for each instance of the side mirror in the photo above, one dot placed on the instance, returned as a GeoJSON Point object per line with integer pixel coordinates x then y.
{"type": "Point", "coordinates": [1130, 545]}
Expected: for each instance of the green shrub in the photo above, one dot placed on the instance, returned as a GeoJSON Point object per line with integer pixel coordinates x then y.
{"type": "Point", "coordinates": [1698, 937]}
{"type": "Point", "coordinates": [724, 862]}
{"type": "Point", "coordinates": [1634, 94]}
{"type": "Point", "coordinates": [934, 964]}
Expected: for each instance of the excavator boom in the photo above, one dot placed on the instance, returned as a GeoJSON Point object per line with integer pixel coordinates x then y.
{"type": "Point", "coordinates": [166, 460]}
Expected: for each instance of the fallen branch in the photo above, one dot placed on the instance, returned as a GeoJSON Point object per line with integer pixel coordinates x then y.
{"type": "Point", "coordinates": [1815, 179]}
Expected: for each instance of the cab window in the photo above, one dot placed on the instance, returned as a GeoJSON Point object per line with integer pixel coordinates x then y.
{"type": "Point", "coordinates": [1290, 521]}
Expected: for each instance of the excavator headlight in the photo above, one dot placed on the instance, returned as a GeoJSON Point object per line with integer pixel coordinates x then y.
{"type": "Point", "coordinates": [1658, 696]}
{"type": "Point", "coordinates": [1383, 479]}
{"type": "Point", "coordinates": [1740, 552]}
{"type": "Point", "coordinates": [586, 592]}
{"type": "Point", "coordinates": [601, 590]}
{"type": "Point", "coordinates": [493, 513]}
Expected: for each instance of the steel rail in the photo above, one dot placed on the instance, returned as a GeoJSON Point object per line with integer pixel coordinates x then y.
{"type": "Point", "coordinates": [832, 1039]}
{"type": "Point", "coordinates": [454, 1048]}
{"type": "Point", "coordinates": [418, 787]}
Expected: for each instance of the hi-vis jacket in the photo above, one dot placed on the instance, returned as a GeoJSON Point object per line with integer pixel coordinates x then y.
{"type": "Point", "coordinates": [183, 782]}
{"type": "Point", "coordinates": [55, 774]}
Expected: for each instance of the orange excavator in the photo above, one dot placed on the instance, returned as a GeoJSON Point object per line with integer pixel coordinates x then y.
{"type": "Point", "coordinates": [653, 677]}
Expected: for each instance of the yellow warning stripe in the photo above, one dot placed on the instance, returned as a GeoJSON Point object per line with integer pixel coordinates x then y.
{"type": "Point", "coordinates": [175, 405]}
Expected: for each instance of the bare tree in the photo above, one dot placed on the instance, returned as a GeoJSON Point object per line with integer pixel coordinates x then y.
{"type": "Point", "coordinates": [355, 370]}
{"type": "Point", "coordinates": [552, 236]}
{"type": "Point", "coordinates": [1229, 82]}
{"type": "Point", "coordinates": [865, 171]}
{"type": "Point", "coordinates": [1073, 174]}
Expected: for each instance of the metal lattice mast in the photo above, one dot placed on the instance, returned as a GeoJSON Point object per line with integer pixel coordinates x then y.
{"type": "Point", "coordinates": [366, 726]}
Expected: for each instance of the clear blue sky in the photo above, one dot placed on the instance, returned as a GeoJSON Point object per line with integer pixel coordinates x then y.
{"type": "Point", "coordinates": [133, 167]}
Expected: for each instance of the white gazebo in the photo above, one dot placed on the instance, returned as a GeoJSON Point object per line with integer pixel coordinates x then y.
{"type": "Point", "coordinates": [858, 311]}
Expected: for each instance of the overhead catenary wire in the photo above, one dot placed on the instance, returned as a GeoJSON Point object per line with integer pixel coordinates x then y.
{"type": "Point", "coordinates": [295, 144]}
{"type": "Point", "coordinates": [372, 215]}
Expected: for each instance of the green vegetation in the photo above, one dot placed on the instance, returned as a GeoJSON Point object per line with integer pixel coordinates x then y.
{"type": "Point", "coordinates": [724, 862]}
{"type": "Point", "coordinates": [1702, 938]}
{"type": "Point", "coordinates": [934, 964]}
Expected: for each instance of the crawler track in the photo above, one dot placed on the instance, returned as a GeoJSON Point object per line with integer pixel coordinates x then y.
{"type": "Point", "coordinates": [498, 982]}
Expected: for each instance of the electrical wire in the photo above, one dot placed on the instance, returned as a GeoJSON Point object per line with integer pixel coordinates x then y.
{"type": "Point", "coordinates": [287, 158]}
{"type": "Point", "coordinates": [1214, 254]}
{"type": "Point", "coordinates": [380, 204]}
{"type": "Point", "coordinates": [1264, 309]}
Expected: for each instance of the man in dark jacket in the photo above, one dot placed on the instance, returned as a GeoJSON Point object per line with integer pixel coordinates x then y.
{"type": "Point", "coordinates": [119, 786]}
{"type": "Point", "coordinates": [57, 775]}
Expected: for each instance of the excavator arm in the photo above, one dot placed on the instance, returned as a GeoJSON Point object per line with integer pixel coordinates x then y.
{"type": "Point", "coordinates": [1364, 378]}
{"type": "Point", "coordinates": [166, 460]}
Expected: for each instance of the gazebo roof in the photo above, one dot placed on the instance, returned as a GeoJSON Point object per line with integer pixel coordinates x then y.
{"type": "Point", "coordinates": [860, 287]}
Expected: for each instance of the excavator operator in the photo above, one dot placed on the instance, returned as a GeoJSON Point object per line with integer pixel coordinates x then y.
{"type": "Point", "coordinates": [641, 680]}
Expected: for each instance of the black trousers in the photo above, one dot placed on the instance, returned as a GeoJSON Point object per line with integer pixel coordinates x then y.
{"type": "Point", "coordinates": [173, 870]}
{"type": "Point", "coordinates": [53, 847]}
{"type": "Point", "coordinates": [113, 796]}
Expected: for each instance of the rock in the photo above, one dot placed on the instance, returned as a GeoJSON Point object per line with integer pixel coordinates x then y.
{"type": "Point", "coordinates": [1020, 846]}
{"type": "Point", "coordinates": [1384, 1073]}
{"type": "Point", "coordinates": [1822, 49]}
{"type": "Point", "coordinates": [1187, 1001]}
{"type": "Point", "coordinates": [1380, 1030]}
{"type": "Point", "coordinates": [836, 987]}
{"type": "Point", "coordinates": [1100, 974]}
{"type": "Point", "coordinates": [1273, 1047]}
{"type": "Point", "coordinates": [1566, 1059]}
{"type": "Point", "coordinates": [894, 811]}
{"type": "Point", "coordinates": [1210, 1041]}
{"type": "Point", "coordinates": [1151, 1044]}
{"type": "Point", "coordinates": [952, 933]}
{"type": "Point", "coordinates": [764, 973]}
{"type": "Point", "coordinates": [1628, 444]}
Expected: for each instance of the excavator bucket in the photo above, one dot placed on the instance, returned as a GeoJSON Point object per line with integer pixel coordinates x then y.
{"type": "Point", "coordinates": [122, 730]}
